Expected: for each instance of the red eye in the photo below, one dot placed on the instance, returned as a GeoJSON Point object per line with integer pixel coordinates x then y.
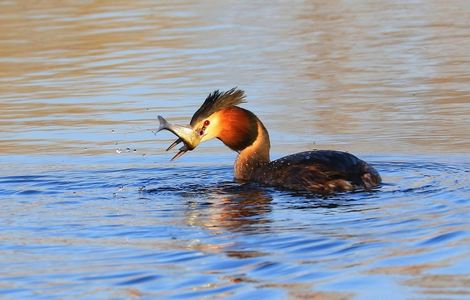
{"type": "Point", "coordinates": [206, 122]}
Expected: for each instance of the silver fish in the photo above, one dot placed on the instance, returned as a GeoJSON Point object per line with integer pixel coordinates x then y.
{"type": "Point", "coordinates": [186, 134]}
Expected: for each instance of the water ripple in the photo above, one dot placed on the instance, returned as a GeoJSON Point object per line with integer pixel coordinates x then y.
{"type": "Point", "coordinates": [225, 238]}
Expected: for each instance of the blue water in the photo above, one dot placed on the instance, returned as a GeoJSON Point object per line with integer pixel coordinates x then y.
{"type": "Point", "coordinates": [131, 230]}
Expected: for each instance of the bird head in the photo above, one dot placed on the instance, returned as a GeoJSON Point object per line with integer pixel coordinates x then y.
{"type": "Point", "coordinates": [218, 117]}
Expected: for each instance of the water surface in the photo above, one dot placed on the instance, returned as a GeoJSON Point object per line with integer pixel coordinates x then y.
{"type": "Point", "coordinates": [93, 208]}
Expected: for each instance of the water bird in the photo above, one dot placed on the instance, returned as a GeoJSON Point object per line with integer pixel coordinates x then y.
{"type": "Point", "coordinates": [317, 171]}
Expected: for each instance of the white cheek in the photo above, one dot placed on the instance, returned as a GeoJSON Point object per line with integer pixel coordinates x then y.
{"type": "Point", "coordinates": [212, 130]}
{"type": "Point", "coordinates": [208, 136]}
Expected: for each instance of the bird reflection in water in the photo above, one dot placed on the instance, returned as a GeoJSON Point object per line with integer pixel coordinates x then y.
{"type": "Point", "coordinates": [238, 208]}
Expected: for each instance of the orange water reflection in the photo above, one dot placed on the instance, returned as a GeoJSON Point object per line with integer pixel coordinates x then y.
{"type": "Point", "coordinates": [390, 77]}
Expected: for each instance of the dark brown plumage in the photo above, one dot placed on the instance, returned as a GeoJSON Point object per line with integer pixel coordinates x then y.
{"type": "Point", "coordinates": [322, 171]}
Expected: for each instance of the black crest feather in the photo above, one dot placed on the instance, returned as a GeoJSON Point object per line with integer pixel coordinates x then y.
{"type": "Point", "coordinates": [216, 101]}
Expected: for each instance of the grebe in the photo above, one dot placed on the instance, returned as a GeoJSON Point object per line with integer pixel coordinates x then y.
{"type": "Point", "coordinates": [318, 171]}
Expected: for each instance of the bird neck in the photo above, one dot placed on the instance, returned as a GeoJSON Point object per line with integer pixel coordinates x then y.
{"type": "Point", "coordinates": [254, 157]}
{"type": "Point", "coordinates": [242, 131]}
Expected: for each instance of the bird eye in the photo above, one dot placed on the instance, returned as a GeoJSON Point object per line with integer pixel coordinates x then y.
{"type": "Point", "coordinates": [206, 122]}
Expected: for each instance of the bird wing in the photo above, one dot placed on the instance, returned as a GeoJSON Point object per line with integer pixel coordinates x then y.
{"type": "Point", "coordinates": [322, 171]}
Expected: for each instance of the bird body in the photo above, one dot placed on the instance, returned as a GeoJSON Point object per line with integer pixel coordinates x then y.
{"type": "Point", "coordinates": [319, 171]}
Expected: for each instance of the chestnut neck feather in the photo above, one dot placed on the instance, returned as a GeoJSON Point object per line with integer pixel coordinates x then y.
{"type": "Point", "coordinates": [243, 132]}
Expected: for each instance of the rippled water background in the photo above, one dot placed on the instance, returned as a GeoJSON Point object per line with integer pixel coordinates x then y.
{"type": "Point", "coordinates": [93, 208]}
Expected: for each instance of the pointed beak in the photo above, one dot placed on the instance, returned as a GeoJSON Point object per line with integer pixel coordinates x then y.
{"type": "Point", "coordinates": [181, 151]}
{"type": "Point", "coordinates": [179, 140]}
{"type": "Point", "coordinates": [185, 134]}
